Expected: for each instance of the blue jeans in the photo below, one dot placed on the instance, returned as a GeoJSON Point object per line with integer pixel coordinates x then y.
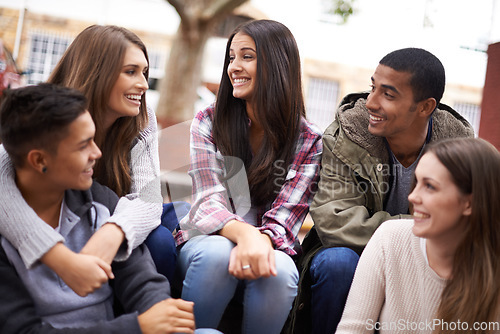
{"type": "Point", "coordinates": [203, 262]}
{"type": "Point", "coordinates": [332, 271]}
{"type": "Point", "coordinates": [161, 243]}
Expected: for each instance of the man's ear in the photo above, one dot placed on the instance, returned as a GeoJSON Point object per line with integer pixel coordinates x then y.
{"type": "Point", "coordinates": [37, 159]}
{"type": "Point", "coordinates": [427, 106]}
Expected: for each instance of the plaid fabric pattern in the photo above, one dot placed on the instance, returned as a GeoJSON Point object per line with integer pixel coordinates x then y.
{"type": "Point", "coordinates": [211, 208]}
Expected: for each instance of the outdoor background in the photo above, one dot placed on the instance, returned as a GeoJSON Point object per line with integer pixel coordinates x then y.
{"type": "Point", "coordinates": [339, 51]}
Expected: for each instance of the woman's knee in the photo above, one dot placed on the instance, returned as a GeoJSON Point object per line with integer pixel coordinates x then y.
{"type": "Point", "coordinates": [207, 251]}
{"type": "Point", "coordinates": [284, 284]}
{"type": "Point", "coordinates": [286, 268]}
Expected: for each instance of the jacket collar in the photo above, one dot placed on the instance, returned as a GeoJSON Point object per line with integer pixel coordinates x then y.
{"type": "Point", "coordinates": [79, 201]}
{"type": "Point", "coordinates": [353, 118]}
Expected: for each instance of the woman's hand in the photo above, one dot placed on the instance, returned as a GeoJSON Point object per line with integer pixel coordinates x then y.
{"type": "Point", "coordinates": [82, 273]}
{"type": "Point", "coordinates": [88, 271]}
{"type": "Point", "coordinates": [105, 242]}
{"type": "Point", "coordinates": [253, 256]}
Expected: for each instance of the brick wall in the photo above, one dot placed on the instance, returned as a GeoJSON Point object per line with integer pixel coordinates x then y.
{"type": "Point", "coordinates": [489, 128]}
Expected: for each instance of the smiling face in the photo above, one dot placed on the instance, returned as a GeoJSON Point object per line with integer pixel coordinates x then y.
{"type": "Point", "coordinates": [71, 167]}
{"type": "Point", "coordinates": [391, 103]}
{"type": "Point", "coordinates": [126, 94]}
{"type": "Point", "coordinates": [242, 68]}
{"type": "Point", "coordinates": [439, 207]}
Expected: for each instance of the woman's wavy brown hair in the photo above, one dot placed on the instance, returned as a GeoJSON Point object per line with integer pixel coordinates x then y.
{"type": "Point", "coordinates": [472, 293]}
{"type": "Point", "coordinates": [279, 107]}
{"type": "Point", "coordinates": [92, 64]}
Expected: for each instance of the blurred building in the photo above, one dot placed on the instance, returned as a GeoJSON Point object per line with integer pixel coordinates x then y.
{"type": "Point", "coordinates": [39, 34]}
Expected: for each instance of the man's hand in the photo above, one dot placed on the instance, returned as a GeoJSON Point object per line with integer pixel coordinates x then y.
{"type": "Point", "coordinates": [168, 316]}
{"type": "Point", "coordinates": [82, 273]}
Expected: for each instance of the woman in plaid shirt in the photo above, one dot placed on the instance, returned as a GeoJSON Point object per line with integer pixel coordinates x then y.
{"type": "Point", "coordinates": [254, 164]}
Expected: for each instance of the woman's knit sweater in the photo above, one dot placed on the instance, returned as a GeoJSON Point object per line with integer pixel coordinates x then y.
{"type": "Point", "coordinates": [394, 289]}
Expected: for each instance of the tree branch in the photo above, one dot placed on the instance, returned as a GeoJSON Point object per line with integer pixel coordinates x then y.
{"type": "Point", "coordinates": [179, 7]}
{"type": "Point", "coordinates": [221, 7]}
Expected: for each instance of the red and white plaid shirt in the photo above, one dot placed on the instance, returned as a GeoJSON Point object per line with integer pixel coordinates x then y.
{"type": "Point", "coordinates": [211, 209]}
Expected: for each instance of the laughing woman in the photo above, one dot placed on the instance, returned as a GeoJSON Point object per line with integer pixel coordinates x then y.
{"type": "Point", "coordinates": [110, 66]}
{"type": "Point", "coordinates": [440, 271]}
{"type": "Point", "coordinates": [229, 248]}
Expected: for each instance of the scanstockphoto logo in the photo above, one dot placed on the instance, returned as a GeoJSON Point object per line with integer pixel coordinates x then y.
{"type": "Point", "coordinates": [342, 179]}
{"type": "Point", "coordinates": [285, 173]}
{"type": "Point", "coordinates": [430, 325]}
{"type": "Point", "coordinates": [175, 159]}
{"type": "Point", "coordinates": [175, 156]}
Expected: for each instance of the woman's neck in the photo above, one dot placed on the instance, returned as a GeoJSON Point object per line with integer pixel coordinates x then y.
{"type": "Point", "coordinates": [256, 132]}
{"type": "Point", "coordinates": [441, 257]}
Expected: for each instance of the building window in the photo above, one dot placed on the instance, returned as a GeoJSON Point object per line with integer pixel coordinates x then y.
{"type": "Point", "coordinates": [471, 112]}
{"type": "Point", "coordinates": [157, 60]}
{"type": "Point", "coordinates": [322, 99]}
{"type": "Point", "coordinates": [45, 52]}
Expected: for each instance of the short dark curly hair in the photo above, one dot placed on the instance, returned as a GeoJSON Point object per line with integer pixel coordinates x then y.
{"type": "Point", "coordinates": [427, 71]}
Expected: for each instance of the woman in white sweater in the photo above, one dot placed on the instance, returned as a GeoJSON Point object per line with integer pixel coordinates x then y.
{"type": "Point", "coordinates": [110, 66]}
{"type": "Point", "coordinates": [440, 271]}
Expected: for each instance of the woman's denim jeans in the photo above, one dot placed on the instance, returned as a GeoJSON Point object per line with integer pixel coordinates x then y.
{"type": "Point", "coordinates": [203, 262]}
{"type": "Point", "coordinates": [161, 243]}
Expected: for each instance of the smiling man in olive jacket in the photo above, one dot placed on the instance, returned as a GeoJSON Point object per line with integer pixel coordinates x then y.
{"type": "Point", "coordinates": [370, 152]}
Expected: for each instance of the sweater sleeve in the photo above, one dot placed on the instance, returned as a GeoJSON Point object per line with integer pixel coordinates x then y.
{"type": "Point", "coordinates": [29, 234]}
{"type": "Point", "coordinates": [139, 212]}
{"type": "Point", "coordinates": [18, 316]}
{"type": "Point", "coordinates": [137, 285]}
{"type": "Point", "coordinates": [367, 293]}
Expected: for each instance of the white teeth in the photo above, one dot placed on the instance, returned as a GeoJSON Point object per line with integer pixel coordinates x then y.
{"type": "Point", "coordinates": [376, 118]}
{"type": "Point", "coordinates": [420, 215]}
{"type": "Point", "coordinates": [133, 97]}
{"type": "Point", "coordinates": [238, 81]}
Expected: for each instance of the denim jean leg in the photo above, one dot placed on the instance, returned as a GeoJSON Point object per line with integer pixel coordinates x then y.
{"type": "Point", "coordinates": [268, 300]}
{"type": "Point", "coordinates": [203, 262]}
{"type": "Point", "coordinates": [172, 214]}
{"type": "Point", "coordinates": [332, 271]}
{"type": "Point", "coordinates": [161, 245]}
{"type": "Point", "coordinates": [207, 331]}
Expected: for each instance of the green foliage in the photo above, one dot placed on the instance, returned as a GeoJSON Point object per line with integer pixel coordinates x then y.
{"type": "Point", "coordinates": [341, 8]}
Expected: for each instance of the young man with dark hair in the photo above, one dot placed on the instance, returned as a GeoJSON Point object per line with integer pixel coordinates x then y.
{"type": "Point", "coordinates": [370, 152]}
{"type": "Point", "coordinates": [49, 135]}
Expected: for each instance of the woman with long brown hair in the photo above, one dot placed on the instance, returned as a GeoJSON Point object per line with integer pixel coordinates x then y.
{"type": "Point", "coordinates": [110, 66]}
{"type": "Point", "coordinates": [254, 165]}
{"type": "Point", "coordinates": [440, 271]}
